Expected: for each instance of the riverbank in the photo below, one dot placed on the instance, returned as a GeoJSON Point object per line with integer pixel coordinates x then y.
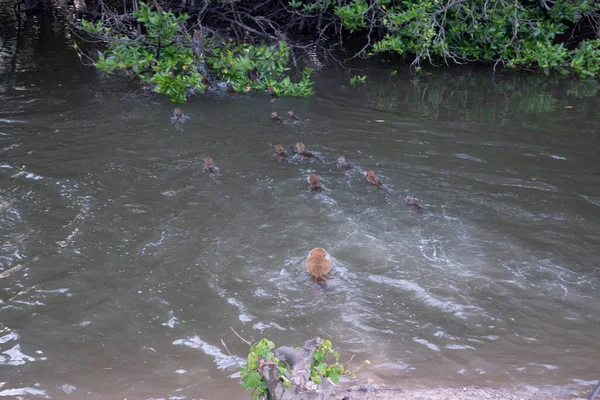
{"type": "Point", "coordinates": [366, 392]}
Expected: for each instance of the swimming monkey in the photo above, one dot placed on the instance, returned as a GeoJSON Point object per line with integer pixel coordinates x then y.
{"type": "Point", "coordinates": [275, 117]}
{"type": "Point", "coordinates": [370, 175]}
{"type": "Point", "coordinates": [342, 164]}
{"type": "Point", "coordinates": [412, 202]}
{"type": "Point", "coordinates": [177, 114]}
{"type": "Point", "coordinates": [318, 263]}
{"type": "Point", "coordinates": [315, 185]}
{"type": "Point", "coordinates": [279, 151]}
{"type": "Point", "coordinates": [300, 150]}
{"type": "Point", "coordinates": [209, 165]}
{"type": "Point", "coordinates": [272, 93]}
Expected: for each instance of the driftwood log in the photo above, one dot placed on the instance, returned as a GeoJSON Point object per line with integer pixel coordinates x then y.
{"type": "Point", "coordinates": [299, 363]}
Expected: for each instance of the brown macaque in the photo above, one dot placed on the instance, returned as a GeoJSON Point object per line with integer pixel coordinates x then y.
{"type": "Point", "coordinates": [197, 37]}
{"type": "Point", "coordinates": [206, 83]}
{"type": "Point", "coordinates": [300, 150]}
{"type": "Point", "coordinates": [272, 93]}
{"type": "Point", "coordinates": [370, 175]}
{"type": "Point", "coordinates": [279, 151]}
{"type": "Point", "coordinates": [275, 117]}
{"type": "Point", "coordinates": [230, 90]}
{"type": "Point", "coordinates": [315, 185]}
{"type": "Point", "coordinates": [209, 166]}
{"type": "Point", "coordinates": [412, 202]}
{"type": "Point", "coordinates": [177, 114]}
{"type": "Point", "coordinates": [292, 117]}
{"type": "Point", "coordinates": [342, 164]}
{"type": "Point", "coordinates": [318, 263]}
{"type": "Point", "coordinates": [253, 75]}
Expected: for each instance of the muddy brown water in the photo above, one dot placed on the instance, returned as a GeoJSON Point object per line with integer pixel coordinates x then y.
{"type": "Point", "coordinates": [123, 264]}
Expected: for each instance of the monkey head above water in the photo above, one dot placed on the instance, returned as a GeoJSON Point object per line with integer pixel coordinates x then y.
{"type": "Point", "coordinates": [272, 92]}
{"type": "Point", "coordinates": [318, 263]}
{"type": "Point", "coordinates": [253, 75]}
{"type": "Point", "coordinates": [230, 90]}
{"type": "Point", "coordinates": [370, 175]}
{"type": "Point", "coordinates": [342, 164]}
{"type": "Point", "coordinates": [177, 114]}
{"type": "Point", "coordinates": [279, 151]}
{"type": "Point", "coordinates": [275, 117]}
{"type": "Point", "coordinates": [300, 150]}
{"type": "Point", "coordinates": [292, 117]}
{"type": "Point", "coordinates": [209, 166]}
{"type": "Point", "coordinates": [313, 181]}
{"type": "Point", "coordinates": [412, 202]}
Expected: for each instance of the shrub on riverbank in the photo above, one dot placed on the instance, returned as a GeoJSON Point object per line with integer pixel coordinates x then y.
{"type": "Point", "coordinates": [548, 35]}
{"type": "Point", "coordinates": [249, 44]}
{"type": "Point", "coordinates": [166, 58]}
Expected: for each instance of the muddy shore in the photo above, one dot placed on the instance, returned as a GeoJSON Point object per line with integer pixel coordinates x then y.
{"type": "Point", "coordinates": [367, 392]}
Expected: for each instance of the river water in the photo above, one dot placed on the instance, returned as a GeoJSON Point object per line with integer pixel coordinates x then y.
{"type": "Point", "coordinates": [123, 264]}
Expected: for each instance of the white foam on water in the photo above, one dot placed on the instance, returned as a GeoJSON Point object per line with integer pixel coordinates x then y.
{"type": "Point", "coordinates": [421, 294]}
{"type": "Point", "coordinates": [222, 360]}
{"type": "Point", "coordinates": [491, 337]}
{"type": "Point", "coordinates": [244, 315]}
{"type": "Point", "coordinates": [15, 356]}
{"type": "Point", "coordinates": [60, 290]}
{"type": "Point", "coordinates": [68, 389]}
{"type": "Point", "coordinates": [23, 392]}
{"type": "Point", "coordinates": [593, 200]}
{"type": "Point", "coordinates": [28, 175]}
{"type": "Point", "coordinates": [172, 321]}
{"type": "Point", "coordinates": [11, 336]}
{"type": "Point", "coordinates": [470, 158]}
{"type": "Point", "coordinates": [260, 326]}
{"type": "Point", "coordinates": [426, 343]}
{"type": "Point", "coordinates": [459, 347]}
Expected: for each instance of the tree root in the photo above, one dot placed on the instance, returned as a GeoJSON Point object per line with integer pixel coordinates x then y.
{"type": "Point", "coordinates": [301, 386]}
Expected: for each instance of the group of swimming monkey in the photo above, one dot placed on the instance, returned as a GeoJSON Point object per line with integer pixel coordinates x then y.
{"type": "Point", "coordinates": [318, 262]}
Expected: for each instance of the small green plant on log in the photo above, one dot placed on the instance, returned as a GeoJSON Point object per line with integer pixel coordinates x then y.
{"type": "Point", "coordinates": [274, 373]}
{"type": "Point", "coordinates": [260, 353]}
{"type": "Point", "coordinates": [321, 369]}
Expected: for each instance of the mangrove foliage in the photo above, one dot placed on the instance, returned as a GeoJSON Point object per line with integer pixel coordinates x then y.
{"type": "Point", "coordinates": [181, 47]}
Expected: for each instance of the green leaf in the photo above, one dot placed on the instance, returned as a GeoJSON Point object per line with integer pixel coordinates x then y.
{"type": "Point", "coordinates": [321, 368]}
{"type": "Point", "coordinates": [334, 377]}
{"type": "Point", "coordinates": [251, 380]}
{"type": "Point", "coordinates": [252, 361]}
